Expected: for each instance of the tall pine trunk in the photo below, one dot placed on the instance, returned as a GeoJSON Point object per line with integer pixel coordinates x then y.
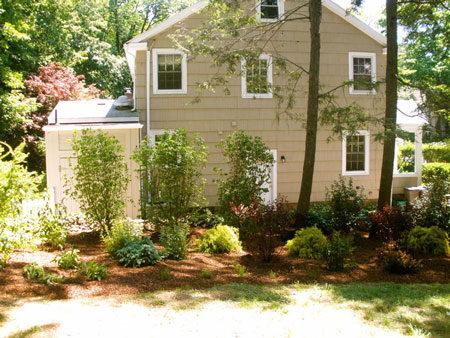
{"type": "Point", "coordinates": [315, 14]}
{"type": "Point", "coordinates": [387, 168]}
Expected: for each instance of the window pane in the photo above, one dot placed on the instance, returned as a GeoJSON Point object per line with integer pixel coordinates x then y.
{"type": "Point", "coordinates": [269, 9]}
{"type": "Point", "coordinates": [362, 73]}
{"type": "Point", "coordinates": [355, 156]}
{"type": "Point", "coordinates": [257, 81]}
{"type": "Point", "coordinates": [169, 71]}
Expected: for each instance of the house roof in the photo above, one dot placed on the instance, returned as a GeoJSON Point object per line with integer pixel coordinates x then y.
{"type": "Point", "coordinates": [409, 115]}
{"type": "Point", "coordinates": [93, 111]}
{"type": "Point", "coordinates": [336, 9]}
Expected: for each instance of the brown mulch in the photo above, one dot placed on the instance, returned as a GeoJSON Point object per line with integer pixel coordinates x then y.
{"type": "Point", "coordinates": [188, 273]}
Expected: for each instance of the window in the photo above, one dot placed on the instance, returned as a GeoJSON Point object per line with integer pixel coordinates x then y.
{"type": "Point", "coordinates": [362, 69]}
{"type": "Point", "coordinates": [405, 155]}
{"type": "Point", "coordinates": [257, 77]}
{"type": "Point", "coordinates": [270, 10]}
{"type": "Point", "coordinates": [169, 72]}
{"type": "Point", "coordinates": [355, 154]}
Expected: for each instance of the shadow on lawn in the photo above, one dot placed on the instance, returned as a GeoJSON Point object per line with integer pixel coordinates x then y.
{"type": "Point", "coordinates": [414, 308]}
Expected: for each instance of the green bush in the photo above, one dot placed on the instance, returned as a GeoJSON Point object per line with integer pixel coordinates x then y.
{"type": "Point", "coordinates": [347, 205]}
{"type": "Point", "coordinates": [206, 219]}
{"type": "Point", "coordinates": [93, 270]}
{"type": "Point", "coordinates": [174, 239]}
{"type": "Point", "coordinates": [175, 185]}
{"type": "Point", "coordinates": [122, 231]}
{"type": "Point", "coordinates": [436, 152]}
{"type": "Point", "coordinates": [320, 216]}
{"type": "Point", "coordinates": [52, 226]}
{"type": "Point", "coordinates": [250, 161]}
{"type": "Point", "coordinates": [406, 158]}
{"type": "Point", "coordinates": [36, 272]}
{"type": "Point", "coordinates": [100, 176]}
{"type": "Point", "coordinates": [431, 241]}
{"type": "Point", "coordinates": [137, 254]}
{"type": "Point", "coordinates": [68, 259]}
{"type": "Point", "coordinates": [307, 243]}
{"type": "Point", "coordinates": [432, 171]}
{"type": "Point", "coordinates": [220, 239]}
{"type": "Point", "coordinates": [336, 252]}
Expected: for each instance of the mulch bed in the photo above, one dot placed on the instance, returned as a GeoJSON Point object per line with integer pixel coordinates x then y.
{"type": "Point", "coordinates": [188, 273]}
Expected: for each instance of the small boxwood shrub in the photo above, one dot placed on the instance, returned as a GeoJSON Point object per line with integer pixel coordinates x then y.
{"type": "Point", "coordinates": [174, 239]}
{"type": "Point", "coordinates": [137, 254]}
{"type": "Point", "coordinates": [68, 259]}
{"type": "Point", "coordinates": [431, 241]}
{"type": "Point", "coordinates": [336, 252]}
{"type": "Point", "coordinates": [123, 231]}
{"type": "Point", "coordinates": [220, 239]}
{"type": "Point", "coordinates": [307, 243]}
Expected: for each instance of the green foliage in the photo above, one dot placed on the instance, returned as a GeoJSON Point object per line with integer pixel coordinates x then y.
{"type": "Point", "coordinates": [68, 259]}
{"type": "Point", "coordinates": [174, 239]}
{"type": "Point", "coordinates": [52, 226]}
{"type": "Point", "coordinates": [220, 239]}
{"type": "Point", "coordinates": [121, 232]}
{"type": "Point", "coordinates": [93, 270]}
{"type": "Point", "coordinates": [436, 152]}
{"type": "Point", "coordinates": [435, 171]}
{"type": "Point", "coordinates": [139, 253]}
{"type": "Point", "coordinates": [431, 241]}
{"type": "Point", "coordinates": [166, 275]}
{"type": "Point", "coordinates": [16, 183]}
{"type": "Point", "coordinates": [175, 165]}
{"type": "Point", "coordinates": [346, 203]}
{"type": "Point", "coordinates": [336, 252]}
{"type": "Point", "coordinates": [397, 261]}
{"type": "Point", "coordinates": [406, 158]}
{"type": "Point", "coordinates": [240, 270]}
{"type": "Point", "coordinates": [389, 224]}
{"type": "Point", "coordinates": [15, 233]}
{"type": "Point", "coordinates": [320, 216]}
{"type": "Point", "coordinates": [207, 219]}
{"type": "Point", "coordinates": [100, 176]}
{"type": "Point", "coordinates": [206, 273]}
{"type": "Point", "coordinates": [250, 161]}
{"type": "Point", "coordinates": [307, 243]}
{"type": "Point", "coordinates": [36, 272]}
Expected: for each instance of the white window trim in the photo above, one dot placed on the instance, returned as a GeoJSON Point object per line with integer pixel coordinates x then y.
{"type": "Point", "coordinates": [165, 51]}
{"type": "Point", "coordinates": [155, 132]}
{"type": "Point", "coordinates": [246, 95]}
{"type": "Point", "coordinates": [366, 135]}
{"type": "Point", "coordinates": [280, 11]}
{"type": "Point", "coordinates": [372, 56]}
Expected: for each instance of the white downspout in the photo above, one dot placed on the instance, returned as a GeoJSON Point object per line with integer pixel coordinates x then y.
{"type": "Point", "coordinates": [148, 92]}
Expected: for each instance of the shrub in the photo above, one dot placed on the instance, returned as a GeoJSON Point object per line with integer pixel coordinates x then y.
{"type": "Point", "coordinates": [389, 224]}
{"type": "Point", "coordinates": [38, 273]}
{"type": "Point", "coordinates": [93, 270]}
{"type": "Point", "coordinates": [336, 252]}
{"type": "Point", "coordinates": [207, 219]}
{"type": "Point", "coordinates": [219, 239]}
{"type": "Point", "coordinates": [100, 176]}
{"type": "Point", "coordinates": [68, 259]}
{"type": "Point", "coordinates": [250, 161]}
{"type": "Point", "coordinates": [433, 171]}
{"type": "Point", "coordinates": [319, 216]}
{"type": "Point", "coordinates": [307, 243]}
{"type": "Point", "coordinates": [406, 158]}
{"type": "Point", "coordinates": [397, 261]}
{"type": "Point", "coordinates": [262, 224]}
{"type": "Point", "coordinates": [137, 254]}
{"type": "Point", "coordinates": [175, 185]}
{"type": "Point", "coordinates": [347, 205]}
{"type": "Point", "coordinates": [174, 239]}
{"type": "Point", "coordinates": [432, 241]}
{"type": "Point", "coordinates": [52, 226]}
{"type": "Point", "coordinates": [122, 231]}
{"type": "Point", "coordinates": [436, 152]}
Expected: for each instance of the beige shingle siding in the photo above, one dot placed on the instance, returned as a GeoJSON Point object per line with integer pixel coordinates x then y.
{"type": "Point", "coordinates": [257, 116]}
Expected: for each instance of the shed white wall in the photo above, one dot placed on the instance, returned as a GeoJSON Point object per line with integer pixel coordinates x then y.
{"type": "Point", "coordinates": [59, 152]}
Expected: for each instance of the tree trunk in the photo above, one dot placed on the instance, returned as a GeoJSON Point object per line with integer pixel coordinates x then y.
{"type": "Point", "coordinates": [387, 168]}
{"type": "Point", "coordinates": [315, 14]}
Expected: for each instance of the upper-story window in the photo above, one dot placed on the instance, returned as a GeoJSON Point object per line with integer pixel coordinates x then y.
{"type": "Point", "coordinates": [270, 10]}
{"type": "Point", "coordinates": [257, 77]}
{"type": "Point", "coordinates": [355, 154]}
{"type": "Point", "coordinates": [169, 72]}
{"type": "Point", "coordinates": [362, 71]}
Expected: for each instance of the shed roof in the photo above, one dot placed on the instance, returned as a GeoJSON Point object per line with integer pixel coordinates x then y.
{"type": "Point", "coordinates": [93, 111]}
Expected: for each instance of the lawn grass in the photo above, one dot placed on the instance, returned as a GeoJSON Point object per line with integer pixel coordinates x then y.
{"type": "Point", "coordinates": [314, 310]}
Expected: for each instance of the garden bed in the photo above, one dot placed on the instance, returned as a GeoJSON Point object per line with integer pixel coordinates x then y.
{"type": "Point", "coordinates": [224, 268]}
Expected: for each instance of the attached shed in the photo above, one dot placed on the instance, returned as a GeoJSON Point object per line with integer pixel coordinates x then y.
{"type": "Point", "coordinates": [69, 116]}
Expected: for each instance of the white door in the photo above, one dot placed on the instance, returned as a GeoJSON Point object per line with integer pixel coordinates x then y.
{"type": "Point", "coordinates": [271, 195]}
